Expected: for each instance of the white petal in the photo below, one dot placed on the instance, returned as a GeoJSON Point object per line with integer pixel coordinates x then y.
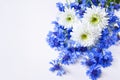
{"type": "Point", "coordinates": [100, 17]}
{"type": "Point", "coordinates": [91, 35]}
{"type": "Point", "coordinates": [68, 18]}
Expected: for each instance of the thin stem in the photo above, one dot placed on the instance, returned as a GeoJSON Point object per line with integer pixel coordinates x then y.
{"type": "Point", "coordinates": [117, 1]}
{"type": "Point", "coordinates": [108, 2]}
{"type": "Point", "coordinates": [79, 1]}
{"type": "Point", "coordinates": [91, 2]}
{"type": "Point", "coordinates": [68, 2]}
{"type": "Point", "coordinates": [114, 0]}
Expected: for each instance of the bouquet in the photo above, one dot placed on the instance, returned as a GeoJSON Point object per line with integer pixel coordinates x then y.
{"type": "Point", "coordinates": [83, 32]}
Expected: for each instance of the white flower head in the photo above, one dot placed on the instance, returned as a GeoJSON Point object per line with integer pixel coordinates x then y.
{"type": "Point", "coordinates": [117, 13]}
{"type": "Point", "coordinates": [96, 17]}
{"type": "Point", "coordinates": [68, 18]}
{"type": "Point", "coordinates": [84, 35]}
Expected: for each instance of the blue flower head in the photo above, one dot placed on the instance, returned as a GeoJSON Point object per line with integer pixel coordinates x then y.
{"type": "Point", "coordinates": [68, 57]}
{"type": "Point", "coordinates": [89, 62]}
{"type": "Point", "coordinates": [94, 72]}
{"type": "Point", "coordinates": [60, 6]}
{"type": "Point", "coordinates": [58, 39]}
{"type": "Point", "coordinates": [117, 6]}
{"type": "Point", "coordinates": [106, 59]}
{"type": "Point", "coordinates": [107, 39]}
{"type": "Point", "coordinates": [75, 5]}
{"type": "Point", "coordinates": [57, 67]}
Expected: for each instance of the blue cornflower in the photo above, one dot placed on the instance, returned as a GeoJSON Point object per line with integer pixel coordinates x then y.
{"type": "Point", "coordinates": [94, 72]}
{"type": "Point", "coordinates": [68, 57]}
{"type": "Point", "coordinates": [112, 19]}
{"type": "Point", "coordinates": [79, 8]}
{"type": "Point", "coordinates": [106, 59]}
{"type": "Point", "coordinates": [59, 37]}
{"type": "Point", "coordinates": [95, 52]}
{"type": "Point", "coordinates": [110, 10]}
{"type": "Point", "coordinates": [117, 6]}
{"type": "Point", "coordinates": [52, 41]}
{"type": "Point", "coordinates": [75, 5]}
{"type": "Point", "coordinates": [89, 62]}
{"type": "Point", "coordinates": [106, 39]}
{"type": "Point", "coordinates": [92, 57]}
{"type": "Point", "coordinates": [57, 67]}
{"type": "Point", "coordinates": [114, 37]}
{"type": "Point", "coordinates": [60, 6]}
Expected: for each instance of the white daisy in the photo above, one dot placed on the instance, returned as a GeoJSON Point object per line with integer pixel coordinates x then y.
{"type": "Point", "coordinates": [96, 17]}
{"type": "Point", "coordinates": [84, 35]}
{"type": "Point", "coordinates": [117, 13]}
{"type": "Point", "coordinates": [68, 18]}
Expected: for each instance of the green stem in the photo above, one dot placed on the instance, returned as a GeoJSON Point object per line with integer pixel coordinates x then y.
{"type": "Point", "coordinates": [108, 2]}
{"type": "Point", "coordinates": [114, 1]}
{"type": "Point", "coordinates": [78, 1]}
{"type": "Point", "coordinates": [91, 2]}
{"type": "Point", "coordinates": [117, 1]}
{"type": "Point", "coordinates": [66, 1]}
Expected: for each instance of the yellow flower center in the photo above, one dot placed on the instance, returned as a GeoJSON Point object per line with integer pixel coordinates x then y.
{"type": "Point", "coordinates": [95, 19]}
{"type": "Point", "coordinates": [69, 18]}
{"type": "Point", "coordinates": [84, 36]}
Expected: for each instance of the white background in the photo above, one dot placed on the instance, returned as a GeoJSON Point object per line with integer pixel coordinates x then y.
{"type": "Point", "coordinates": [24, 53]}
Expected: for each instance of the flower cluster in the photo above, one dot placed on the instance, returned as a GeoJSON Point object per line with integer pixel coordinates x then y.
{"type": "Point", "coordinates": [85, 29]}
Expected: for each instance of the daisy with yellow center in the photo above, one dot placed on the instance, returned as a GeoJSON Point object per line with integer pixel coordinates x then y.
{"type": "Point", "coordinates": [84, 35]}
{"type": "Point", "coordinates": [68, 18]}
{"type": "Point", "coordinates": [95, 17]}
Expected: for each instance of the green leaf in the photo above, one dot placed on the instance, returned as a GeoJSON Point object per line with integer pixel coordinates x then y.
{"type": "Point", "coordinates": [78, 1]}
{"type": "Point", "coordinates": [117, 1]}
